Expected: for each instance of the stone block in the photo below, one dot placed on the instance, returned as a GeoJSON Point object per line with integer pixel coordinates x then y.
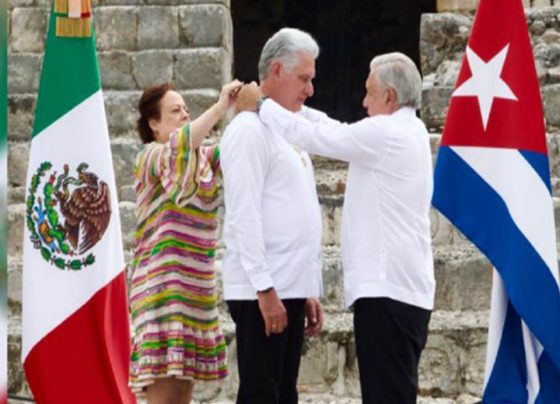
{"type": "Point", "coordinates": [551, 100]}
{"type": "Point", "coordinates": [553, 75]}
{"type": "Point", "coordinates": [456, 5]}
{"type": "Point", "coordinates": [21, 3]}
{"type": "Point", "coordinates": [205, 25]}
{"type": "Point", "coordinates": [540, 3]}
{"type": "Point", "coordinates": [121, 109]}
{"type": "Point", "coordinates": [15, 282]}
{"type": "Point", "coordinates": [16, 215]}
{"type": "Point", "coordinates": [152, 67]}
{"type": "Point", "coordinates": [199, 100]}
{"type": "Point", "coordinates": [323, 367]}
{"type": "Point", "coordinates": [128, 223]}
{"type": "Point", "coordinates": [116, 28]}
{"type": "Point", "coordinates": [158, 27]}
{"type": "Point", "coordinates": [442, 37]}
{"type": "Point", "coordinates": [18, 156]}
{"type": "Point", "coordinates": [21, 115]}
{"type": "Point", "coordinates": [553, 146]}
{"type": "Point", "coordinates": [327, 213]}
{"type": "Point", "coordinates": [202, 68]}
{"type": "Point", "coordinates": [435, 102]}
{"type": "Point", "coordinates": [439, 367]}
{"type": "Point", "coordinates": [121, 2]}
{"type": "Point", "coordinates": [550, 36]}
{"type": "Point", "coordinates": [127, 193]}
{"type": "Point", "coordinates": [444, 234]}
{"type": "Point", "coordinates": [333, 286]}
{"type": "Point", "coordinates": [28, 29]}
{"type": "Point", "coordinates": [16, 194]}
{"type": "Point", "coordinates": [16, 379]}
{"type": "Point", "coordinates": [447, 73]}
{"type": "Point", "coordinates": [537, 27]}
{"type": "Point", "coordinates": [463, 279]}
{"type": "Point", "coordinates": [330, 181]}
{"type": "Point", "coordinates": [124, 153]}
{"type": "Point", "coordinates": [23, 72]}
{"type": "Point", "coordinates": [456, 342]}
{"type": "Point", "coordinates": [116, 70]}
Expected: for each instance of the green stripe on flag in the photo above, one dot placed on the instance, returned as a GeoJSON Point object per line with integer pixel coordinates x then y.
{"type": "Point", "coordinates": [70, 75]}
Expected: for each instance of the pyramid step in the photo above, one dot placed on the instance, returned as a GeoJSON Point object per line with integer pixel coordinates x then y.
{"type": "Point", "coordinates": [451, 364]}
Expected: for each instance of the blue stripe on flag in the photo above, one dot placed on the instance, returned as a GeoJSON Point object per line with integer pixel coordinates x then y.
{"type": "Point", "coordinates": [509, 374]}
{"type": "Point", "coordinates": [539, 162]}
{"type": "Point", "coordinates": [475, 209]}
{"type": "Point", "coordinates": [548, 376]}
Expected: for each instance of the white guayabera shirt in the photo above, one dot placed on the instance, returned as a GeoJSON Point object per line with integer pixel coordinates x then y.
{"type": "Point", "coordinates": [386, 241]}
{"type": "Point", "coordinates": [272, 227]}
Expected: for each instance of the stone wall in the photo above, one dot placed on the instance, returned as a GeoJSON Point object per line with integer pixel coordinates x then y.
{"type": "Point", "coordinates": [189, 42]}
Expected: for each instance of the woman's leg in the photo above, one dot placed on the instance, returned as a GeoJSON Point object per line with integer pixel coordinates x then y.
{"type": "Point", "coordinates": [170, 390]}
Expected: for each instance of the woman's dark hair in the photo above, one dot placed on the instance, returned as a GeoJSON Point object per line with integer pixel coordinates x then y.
{"type": "Point", "coordinates": [149, 108]}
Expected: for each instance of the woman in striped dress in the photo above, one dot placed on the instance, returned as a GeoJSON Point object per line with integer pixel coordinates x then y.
{"type": "Point", "coordinates": [177, 338]}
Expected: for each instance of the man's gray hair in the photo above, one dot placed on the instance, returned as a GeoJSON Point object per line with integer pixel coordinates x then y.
{"type": "Point", "coordinates": [398, 71]}
{"type": "Point", "coordinates": [284, 46]}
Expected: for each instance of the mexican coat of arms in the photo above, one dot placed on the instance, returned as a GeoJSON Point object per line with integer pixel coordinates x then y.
{"type": "Point", "coordinates": [67, 215]}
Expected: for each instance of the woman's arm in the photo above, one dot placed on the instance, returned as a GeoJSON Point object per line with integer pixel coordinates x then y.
{"type": "Point", "coordinates": [201, 126]}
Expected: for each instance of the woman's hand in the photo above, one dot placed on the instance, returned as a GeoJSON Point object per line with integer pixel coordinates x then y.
{"type": "Point", "coordinates": [228, 96]}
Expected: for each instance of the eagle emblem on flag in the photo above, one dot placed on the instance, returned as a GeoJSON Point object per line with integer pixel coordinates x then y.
{"type": "Point", "coordinates": [67, 215]}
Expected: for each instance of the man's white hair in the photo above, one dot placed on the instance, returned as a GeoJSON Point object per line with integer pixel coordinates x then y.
{"type": "Point", "coordinates": [284, 46]}
{"type": "Point", "coordinates": [397, 71]}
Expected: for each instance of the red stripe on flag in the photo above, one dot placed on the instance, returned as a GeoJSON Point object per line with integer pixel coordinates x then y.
{"type": "Point", "coordinates": [86, 358]}
{"type": "Point", "coordinates": [512, 124]}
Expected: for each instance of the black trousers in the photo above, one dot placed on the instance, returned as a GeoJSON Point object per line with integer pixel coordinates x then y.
{"type": "Point", "coordinates": [268, 366]}
{"type": "Point", "coordinates": [390, 337]}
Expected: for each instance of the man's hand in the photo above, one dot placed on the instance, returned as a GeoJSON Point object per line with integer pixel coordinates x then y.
{"type": "Point", "coordinates": [273, 312]}
{"type": "Point", "coordinates": [314, 317]}
{"type": "Point", "coordinates": [247, 97]}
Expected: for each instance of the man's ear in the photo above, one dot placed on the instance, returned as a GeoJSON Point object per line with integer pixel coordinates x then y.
{"type": "Point", "coordinates": [276, 68]}
{"type": "Point", "coordinates": [390, 96]}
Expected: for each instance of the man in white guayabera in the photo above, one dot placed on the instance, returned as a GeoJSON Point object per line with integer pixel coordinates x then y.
{"type": "Point", "coordinates": [272, 268]}
{"type": "Point", "coordinates": [386, 242]}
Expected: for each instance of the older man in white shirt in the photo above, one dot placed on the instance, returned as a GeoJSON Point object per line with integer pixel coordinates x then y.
{"type": "Point", "coordinates": [272, 269]}
{"type": "Point", "coordinates": [386, 241]}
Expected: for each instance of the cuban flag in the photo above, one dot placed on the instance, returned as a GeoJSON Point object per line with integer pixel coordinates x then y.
{"type": "Point", "coordinates": [492, 182]}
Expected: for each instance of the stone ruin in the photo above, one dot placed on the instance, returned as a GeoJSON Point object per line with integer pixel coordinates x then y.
{"type": "Point", "coordinates": [194, 50]}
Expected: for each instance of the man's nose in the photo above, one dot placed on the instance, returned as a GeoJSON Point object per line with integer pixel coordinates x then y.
{"type": "Point", "coordinates": [309, 89]}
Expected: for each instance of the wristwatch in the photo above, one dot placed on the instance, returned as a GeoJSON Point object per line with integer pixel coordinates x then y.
{"type": "Point", "coordinates": [260, 102]}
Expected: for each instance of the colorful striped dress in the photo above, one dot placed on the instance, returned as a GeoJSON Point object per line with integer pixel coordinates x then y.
{"type": "Point", "coordinates": [173, 293]}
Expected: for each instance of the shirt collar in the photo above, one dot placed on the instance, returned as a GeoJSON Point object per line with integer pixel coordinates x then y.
{"type": "Point", "coordinates": [405, 112]}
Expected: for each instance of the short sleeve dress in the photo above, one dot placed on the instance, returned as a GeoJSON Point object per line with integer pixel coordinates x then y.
{"type": "Point", "coordinates": [173, 298]}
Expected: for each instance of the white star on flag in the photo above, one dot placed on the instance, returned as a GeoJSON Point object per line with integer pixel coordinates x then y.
{"type": "Point", "coordinates": [485, 83]}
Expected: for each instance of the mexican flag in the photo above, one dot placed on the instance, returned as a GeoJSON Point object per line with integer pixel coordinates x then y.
{"type": "Point", "coordinates": [76, 341]}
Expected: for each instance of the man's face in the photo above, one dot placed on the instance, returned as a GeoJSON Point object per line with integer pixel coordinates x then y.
{"type": "Point", "coordinates": [292, 88]}
{"type": "Point", "coordinates": [376, 100]}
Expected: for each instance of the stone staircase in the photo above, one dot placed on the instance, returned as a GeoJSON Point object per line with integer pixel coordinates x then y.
{"type": "Point", "coordinates": [191, 45]}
